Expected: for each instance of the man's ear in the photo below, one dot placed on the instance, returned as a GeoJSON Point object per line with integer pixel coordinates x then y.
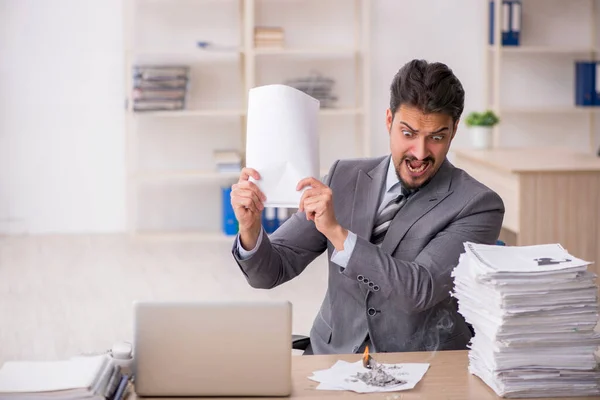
{"type": "Point", "coordinates": [389, 118]}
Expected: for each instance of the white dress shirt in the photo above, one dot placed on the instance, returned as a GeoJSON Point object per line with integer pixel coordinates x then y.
{"type": "Point", "coordinates": [391, 190]}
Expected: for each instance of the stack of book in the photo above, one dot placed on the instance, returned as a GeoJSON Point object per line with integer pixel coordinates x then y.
{"type": "Point", "coordinates": [534, 310]}
{"type": "Point", "coordinates": [228, 161]}
{"type": "Point", "coordinates": [95, 377]}
{"type": "Point", "coordinates": [268, 37]}
{"type": "Point", "coordinates": [316, 86]}
{"type": "Point", "coordinates": [159, 87]}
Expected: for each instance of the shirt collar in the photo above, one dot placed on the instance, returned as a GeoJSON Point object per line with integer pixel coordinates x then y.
{"type": "Point", "coordinates": [392, 181]}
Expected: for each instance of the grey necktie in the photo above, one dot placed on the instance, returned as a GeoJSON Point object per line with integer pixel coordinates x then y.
{"type": "Point", "coordinates": [385, 217]}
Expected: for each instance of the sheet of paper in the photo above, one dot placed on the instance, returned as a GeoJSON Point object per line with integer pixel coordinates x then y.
{"type": "Point", "coordinates": [344, 376]}
{"type": "Point", "coordinates": [50, 376]}
{"type": "Point", "coordinates": [282, 141]}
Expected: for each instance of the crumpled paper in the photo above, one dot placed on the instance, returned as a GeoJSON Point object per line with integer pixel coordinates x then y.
{"type": "Point", "coordinates": [347, 376]}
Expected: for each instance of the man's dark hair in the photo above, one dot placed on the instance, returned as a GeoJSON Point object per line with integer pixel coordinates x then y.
{"type": "Point", "coordinates": [431, 87]}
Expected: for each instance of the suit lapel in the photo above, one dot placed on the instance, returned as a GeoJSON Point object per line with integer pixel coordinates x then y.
{"type": "Point", "coordinates": [366, 199]}
{"type": "Point", "coordinates": [419, 204]}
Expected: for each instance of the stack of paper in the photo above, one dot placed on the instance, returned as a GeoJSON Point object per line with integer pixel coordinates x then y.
{"type": "Point", "coordinates": [78, 378]}
{"type": "Point", "coordinates": [534, 310]}
{"type": "Point", "coordinates": [354, 377]}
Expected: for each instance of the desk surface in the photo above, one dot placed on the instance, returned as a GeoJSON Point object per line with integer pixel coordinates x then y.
{"type": "Point", "coordinates": [533, 160]}
{"type": "Point", "coordinates": [447, 378]}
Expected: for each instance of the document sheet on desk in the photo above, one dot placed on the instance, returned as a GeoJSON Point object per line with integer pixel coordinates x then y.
{"type": "Point", "coordinates": [282, 141]}
{"type": "Point", "coordinates": [93, 377]}
{"type": "Point", "coordinates": [534, 310]}
{"type": "Point", "coordinates": [343, 376]}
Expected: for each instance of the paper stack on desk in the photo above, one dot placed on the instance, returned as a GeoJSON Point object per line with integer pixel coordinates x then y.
{"type": "Point", "coordinates": [349, 376]}
{"type": "Point", "coordinates": [534, 311]}
{"type": "Point", "coordinates": [93, 377]}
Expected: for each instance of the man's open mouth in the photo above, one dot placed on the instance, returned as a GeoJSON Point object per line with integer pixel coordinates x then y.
{"type": "Point", "coordinates": [417, 168]}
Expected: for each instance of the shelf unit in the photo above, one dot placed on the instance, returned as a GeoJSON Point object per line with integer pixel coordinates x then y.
{"type": "Point", "coordinates": [169, 152]}
{"type": "Point", "coordinates": [543, 64]}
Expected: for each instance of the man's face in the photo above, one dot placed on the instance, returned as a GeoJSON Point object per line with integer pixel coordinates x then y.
{"type": "Point", "coordinates": [419, 143]}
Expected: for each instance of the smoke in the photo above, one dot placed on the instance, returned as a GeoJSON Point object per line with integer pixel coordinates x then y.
{"type": "Point", "coordinates": [437, 328]}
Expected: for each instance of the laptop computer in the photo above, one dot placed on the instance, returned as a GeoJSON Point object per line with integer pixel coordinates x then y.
{"type": "Point", "coordinates": [212, 348]}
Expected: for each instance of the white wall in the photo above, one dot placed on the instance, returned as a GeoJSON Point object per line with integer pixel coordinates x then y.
{"type": "Point", "coordinates": [448, 31]}
{"type": "Point", "coordinates": [61, 116]}
{"type": "Point", "coordinates": [61, 92]}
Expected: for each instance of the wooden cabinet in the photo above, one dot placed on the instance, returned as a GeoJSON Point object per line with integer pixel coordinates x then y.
{"type": "Point", "coordinates": [550, 195]}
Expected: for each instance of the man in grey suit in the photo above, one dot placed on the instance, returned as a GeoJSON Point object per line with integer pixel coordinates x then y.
{"type": "Point", "coordinates": [393, 228]}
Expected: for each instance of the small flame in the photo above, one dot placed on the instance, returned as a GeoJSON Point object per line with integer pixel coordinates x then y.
{"type": "Point", "coordinates": [366, 357]}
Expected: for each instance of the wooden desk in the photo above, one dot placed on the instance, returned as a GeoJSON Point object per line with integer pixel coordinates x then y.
{"type": "Point", "coordinates": [447, 378]}
{"type": "Point", "coordinates": [550, 195]}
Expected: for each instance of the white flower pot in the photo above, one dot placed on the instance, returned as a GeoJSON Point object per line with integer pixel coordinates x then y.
{"type": "Point", "coordinates": [481, 137]}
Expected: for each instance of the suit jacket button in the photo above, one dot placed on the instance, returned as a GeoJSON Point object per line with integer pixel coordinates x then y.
{"type": "Point", "coordinates": [365, 281]}
{"type": "Point", "coordinates": [371, 311]}
{"type": "Point", "coordinates": [376, 288]}
{"type": "Point", "coordinates": [360, 278]}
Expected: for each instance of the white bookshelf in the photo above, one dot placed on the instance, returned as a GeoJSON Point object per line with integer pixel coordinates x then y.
{"type": "Point", "coordinates": [171, 174]}
{"type": "Point", "coordinates": [531, 86]}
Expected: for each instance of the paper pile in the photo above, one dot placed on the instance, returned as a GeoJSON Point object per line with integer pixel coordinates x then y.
{"type": "Point", "coordinates": [78, 378]}
{"type": "Point", "coordinates": [534, 310]}
{"type": "Point", "coordinates": [354, 377]}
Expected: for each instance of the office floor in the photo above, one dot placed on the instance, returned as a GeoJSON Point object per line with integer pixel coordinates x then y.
{"type": "Point", "coordinates": [65, 295]}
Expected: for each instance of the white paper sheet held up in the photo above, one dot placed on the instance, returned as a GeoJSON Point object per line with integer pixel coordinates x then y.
{"type": "Point", "coordinates": [282, 141]}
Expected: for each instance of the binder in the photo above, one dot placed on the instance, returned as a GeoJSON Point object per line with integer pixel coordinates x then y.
{"type": "Point", "coordinates": [282, 216]}
{"type": "Point", "coordinates": [514, 36]}
{"type": "Point", "coordinates": [270, 219]}
{"type": "Point", "coordinates": [586, 91]}
{"type": "Point", "coordinates": [505, 23]}
{"type": "Point", "coordinates": [230, 224]}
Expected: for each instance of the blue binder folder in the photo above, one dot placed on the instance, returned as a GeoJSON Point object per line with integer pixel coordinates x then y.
{"type": "Point", "coordinates": [505, 23]}
{"type": "Point", "coordinates": [269, 219]}
{"type": "Point", "coordinates": [514, 35]}
{"type": "Point", "coordinates": [230, 224]}
{"type": "Point", "coordinates": [585, 83]}
{"type": "Point", "coordinates": [510, 23]}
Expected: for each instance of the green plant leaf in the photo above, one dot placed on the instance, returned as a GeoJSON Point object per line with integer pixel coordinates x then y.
{"type": "Point", "coordinates": [486, 118]}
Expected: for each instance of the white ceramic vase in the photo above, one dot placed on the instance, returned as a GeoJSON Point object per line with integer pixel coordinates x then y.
{"type": "Point", "coordinates": [481, 137]}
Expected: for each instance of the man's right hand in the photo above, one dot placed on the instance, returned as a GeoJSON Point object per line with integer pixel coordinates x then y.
{"type": "Point", "coordinates": [247, 202]}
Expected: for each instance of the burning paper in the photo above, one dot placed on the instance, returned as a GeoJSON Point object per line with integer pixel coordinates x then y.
{"type": "Point", "coordinates": [367, 376]}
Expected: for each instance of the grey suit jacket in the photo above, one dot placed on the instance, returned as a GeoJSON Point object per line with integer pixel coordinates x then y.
{"type": "Point", "coordinates": [398, 293]}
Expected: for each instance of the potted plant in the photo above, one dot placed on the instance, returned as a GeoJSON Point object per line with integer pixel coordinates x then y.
{"type": "Point", "coordinates": [480, 127]}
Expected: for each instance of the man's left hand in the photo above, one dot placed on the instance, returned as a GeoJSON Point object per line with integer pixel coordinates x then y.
{"type": "Point", "coordinates": [317, 204]}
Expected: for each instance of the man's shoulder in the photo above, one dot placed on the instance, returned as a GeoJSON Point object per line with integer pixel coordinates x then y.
{"type": "Point", "coordinates": [352, 166]}
{"type": "Point", "coordinates": [465, 183]}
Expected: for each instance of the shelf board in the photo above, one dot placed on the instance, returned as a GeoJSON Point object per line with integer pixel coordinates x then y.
{"type": "Point", "coordinates": [340, 111]}
{"type": "Point", "coordinates": [184, 56]}
{"type": "Point", "coordinates": [235, 113]}
{"type": "Point", "coordinates": [549, 110]}
{"type": "Point", "coordinates": [187, 175]}
{"type": "Point", "coordinates": [317, 51]}
{"type": "Point", "coordinates": [543, 49]}
{"type": "Point", "coordinates": [201, 236]}
{"type": "Point", "coordinates": [192, 113]}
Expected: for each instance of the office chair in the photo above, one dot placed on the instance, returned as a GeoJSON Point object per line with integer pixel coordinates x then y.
{"type": "Point", "coordinates": [301, 342]}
